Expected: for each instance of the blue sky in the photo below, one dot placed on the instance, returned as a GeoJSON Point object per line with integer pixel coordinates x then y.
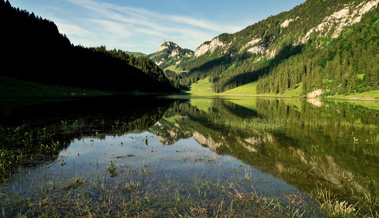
{"type": "Point", "coordinates": [142, 25]}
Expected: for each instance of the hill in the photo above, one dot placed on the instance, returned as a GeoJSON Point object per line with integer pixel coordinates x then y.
{"type": "Point", "coordinates": [135, 54]}
{"type": "Point", "coordinates": [330, 45]}
{"type": "Point", "coordinates": [170, 54]}
{"type": "Point", "coordinates": [34, 50]}
{"type": "Point", "coordinates": [168, 57]}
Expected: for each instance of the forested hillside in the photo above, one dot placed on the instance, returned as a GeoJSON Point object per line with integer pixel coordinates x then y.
{"type": "Point", "coordinates": [346, 65]}
{"type": "Point", "coordinates": [330, 45]}
{"type": "Point", "coordinates": [34, 50]}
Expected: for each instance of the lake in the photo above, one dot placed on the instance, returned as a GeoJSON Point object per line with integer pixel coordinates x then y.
{"type": "Point", "coordinates": [195, 157]}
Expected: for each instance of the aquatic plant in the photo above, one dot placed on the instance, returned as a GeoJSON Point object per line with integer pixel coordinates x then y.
{"type": "Point", "coordinates": [5, 158]}
{"type": "Point", "coordinates": [112, 168]}
{"type": "Point", "coordinates": [131, 186]}
{"type": "Point", "coordinates": [75, 183]}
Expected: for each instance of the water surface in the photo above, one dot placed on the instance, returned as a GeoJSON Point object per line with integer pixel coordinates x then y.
{"type": "Point", "coordinates": [171, 157]}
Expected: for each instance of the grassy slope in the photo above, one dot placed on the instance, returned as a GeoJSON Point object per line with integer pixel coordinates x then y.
{"type": "Point", "coordinates": [202, 88]}
{"type": "Point", "coordinates": [16, 93]}
{"type": "Point", "coordinates": [14, 88]}
{"type": "Point", "coordinates": [174, 69]}
{"type": "Point", "coordinates": [247, 89]}
{"type": "Point", "coordinates": [373, 95]}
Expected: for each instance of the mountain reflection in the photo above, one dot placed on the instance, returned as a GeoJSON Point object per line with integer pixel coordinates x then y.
{"type": "Point", "coordinates": [310, 144]}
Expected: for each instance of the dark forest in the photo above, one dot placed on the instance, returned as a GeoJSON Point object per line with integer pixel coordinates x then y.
{"type": "Point", "coordinates": [34, 50]}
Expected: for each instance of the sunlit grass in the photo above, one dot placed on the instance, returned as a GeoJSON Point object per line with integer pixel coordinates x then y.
{"type": "Point", "coordinates": [249, 89]}
{"type": "Point", "coordinates": [372, 95]}
{"type": "Point", "coordinates": [202, 87]}
{"type": "Point", "coordinates": [294, 92]}
{"type": "Point", "coordinates": [174, 69]}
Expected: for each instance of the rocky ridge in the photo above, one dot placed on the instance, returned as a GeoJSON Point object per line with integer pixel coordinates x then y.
{"type": "Point", "coordinates": [211, 47]}
{"type": "Point", "coordinates": [347, 16]}
{"type": "Point", "coordinates": [167, 45]}
{"type": "Point", "coordinates": [331, 25]}
{"type": "Point", "coordinates": [170, 53]}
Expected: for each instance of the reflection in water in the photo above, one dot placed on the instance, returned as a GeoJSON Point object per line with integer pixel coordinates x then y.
{"type": "Point", "coordinates": [318, 147]}
{"type": "Point", "coordinates": [159, 157]}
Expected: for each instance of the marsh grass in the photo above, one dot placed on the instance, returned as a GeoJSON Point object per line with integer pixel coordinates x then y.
{"type": "Point", "coordinates": [75, 183]}
{"type": "Point", "coordinates": [332, 206]}
{"type": "Point", "coordinates": [36, 142]}
{"type": "Point", "coordinates": [23, 140]}
{"type": "Point", "coordinates": [145, 191]}
{"type": "Point", "coordinates": [131, 186]}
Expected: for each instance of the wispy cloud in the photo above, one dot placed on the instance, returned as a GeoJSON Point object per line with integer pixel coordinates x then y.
{"type": "Point", "coordinates": [73, 30]}
{"type": "Point", "coordinates": [117, 12]}
{"type": "Point", "coordinates": [116, 23]}
{"type": "Point", "coordinates": [113, 28]}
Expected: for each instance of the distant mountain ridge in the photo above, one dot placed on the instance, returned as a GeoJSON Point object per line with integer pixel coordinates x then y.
{"type": "Point", "coordinates": [167, 45]}
{"type": "Point", "coordinates": [313, 28]}
{"type": "Point", "coordinates": [170, 53]}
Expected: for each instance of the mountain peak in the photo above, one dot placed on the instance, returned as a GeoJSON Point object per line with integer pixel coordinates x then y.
{"type": "Point", "coordinates": [168, 45]}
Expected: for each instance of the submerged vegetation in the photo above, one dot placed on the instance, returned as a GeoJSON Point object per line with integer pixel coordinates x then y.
{"type": "Point", "coordinates": [146, 192]}
{"type": "Point", "coordinates": [42, 136]}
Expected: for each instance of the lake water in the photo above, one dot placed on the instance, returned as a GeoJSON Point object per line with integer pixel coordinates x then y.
{"type": "Point", "coordinates": [190, 157]}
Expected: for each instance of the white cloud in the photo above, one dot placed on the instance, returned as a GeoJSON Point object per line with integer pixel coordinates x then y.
{"type": "Point", "coordinates": [115, 29]}
{"type": "Point", "coordinates": [117, 24]}
{"type": "Point", "coordinates": [70, 29]}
